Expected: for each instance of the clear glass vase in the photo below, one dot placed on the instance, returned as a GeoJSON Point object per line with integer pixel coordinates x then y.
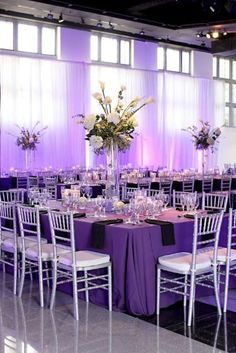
{"type": "Point", "coordinates": [29, 155]}
{"type": "Point", "coordinates": [112, 170]}
{"type": "Point", "coordinates": [204, 161]}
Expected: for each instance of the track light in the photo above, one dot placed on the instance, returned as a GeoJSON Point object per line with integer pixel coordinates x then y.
{"type": "Point", "coordinates": [111, 25]}
{"type": "Point", "coordinates": [215, 34]}
{"type": "Point", "coordinates": [60, 19]}
{"type": "Point", "coordinates": [142, 32]}
{"type": "Point", "coordinates": [50, 16]}
{"type": "Point", "coordinates": [99, 24]}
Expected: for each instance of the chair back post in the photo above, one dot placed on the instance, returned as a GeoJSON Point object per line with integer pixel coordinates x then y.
{"type": "Point", "coordinates": [8, 212]}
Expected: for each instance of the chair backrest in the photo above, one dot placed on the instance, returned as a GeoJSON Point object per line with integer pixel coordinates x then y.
{"type": "Point", "coordinates": [207, 184]}
{"type": "Point", "coordinates": [225, 183]}
{"type": "Point", "coordinates": [8, 218]}
{"type": "Point", "coordinates": [231, 240]}
{"type": "Point", "coordinates": [52, 190]}
{"type": "Point", "coordinates": [128, 192]}
{"type": "Point", "coordinates": [166, 185]}
{"type": "Point", "coordinates": [62, 232]}
{"type": "Point", "coordinates": [16, 196]}
{"type": "Point", "coordinates": [29, 221]}
{"type": "Point", "coordinates": [206, 235]}
{"type": "Point", "coordinates": [188, 184]}
{"type": "Point", "coordinates": [153, 192]}
{"type": "Point", "coordinates": [178, 197]}
{"type": "Point", "coordinates": [214, 201]}
{"type": "Point", "coordinates": [21, 180]}
{"type": "Point", "coordinates": [50, 180]}
{"type": "Point", "coordinates": [32, 181]}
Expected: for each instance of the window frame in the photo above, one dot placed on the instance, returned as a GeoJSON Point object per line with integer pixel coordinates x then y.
{"type": "Point", "coordinates": [40, 26]}
{"type": "Point", "coordinates": [230, 105]}
{"type": "Point", "coordinates": [180, 50]}
{"type": "Point", "coordinates": [118, 39]}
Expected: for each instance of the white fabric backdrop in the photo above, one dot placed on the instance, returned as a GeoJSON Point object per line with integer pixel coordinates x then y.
{"type": "Point", "coordinates": [52, 92]}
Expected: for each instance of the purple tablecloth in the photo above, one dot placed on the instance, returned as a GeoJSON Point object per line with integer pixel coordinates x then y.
{"type": "Point", "coordinates": [134, 252]}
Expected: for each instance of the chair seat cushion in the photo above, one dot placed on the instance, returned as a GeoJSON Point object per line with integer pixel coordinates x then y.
{"type": "Point", "coordinates": [30, 240]}
{"type": "Point", "coordinates": [84, 258]}
{"type": "Point", "coordinates": [46, 252]}
{"type": "Point", "coordinates": [182, 261]}
{"type": "Point", "coordinates": [222, 254]}
{"type": "Point", "coordinates": [7, 234]}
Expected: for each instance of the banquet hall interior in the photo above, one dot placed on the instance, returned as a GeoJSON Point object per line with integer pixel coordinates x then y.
{"type": "Point", "coordinates": [117, 176]}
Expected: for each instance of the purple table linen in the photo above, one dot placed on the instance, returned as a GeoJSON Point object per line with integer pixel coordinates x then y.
{"type": "Point", "coordinates": [134, 252]}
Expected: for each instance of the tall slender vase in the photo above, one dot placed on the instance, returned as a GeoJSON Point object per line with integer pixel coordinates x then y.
{"type": "Point", "coordinates": [204, 161]}
{"type": "Point", "coordinates": [112, 169]}
{"type": "Point", "coordinates": [28, 159]}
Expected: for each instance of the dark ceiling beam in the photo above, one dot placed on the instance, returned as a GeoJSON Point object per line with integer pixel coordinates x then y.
{"type": "Point", "coordinates": [148, 5]}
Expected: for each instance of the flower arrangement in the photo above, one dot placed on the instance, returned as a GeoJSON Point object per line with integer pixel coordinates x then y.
{"type": "Point", "coordinates": [115, 125]}
{"type": "Point", "coordinates": [28, 139]}
{"type": "Point", "coordinates": [204, 137]}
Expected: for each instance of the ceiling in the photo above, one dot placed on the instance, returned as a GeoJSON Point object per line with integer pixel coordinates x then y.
{"type": "Point", "coordinates": [173, 21]}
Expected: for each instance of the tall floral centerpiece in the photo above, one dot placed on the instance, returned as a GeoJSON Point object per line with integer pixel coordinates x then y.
{"type": "Point", "coordinates": [112, 130]}
{"type": "Point", "coordinates": [204, 139]}
{"type": "Point", "coordinates": [27, 140]}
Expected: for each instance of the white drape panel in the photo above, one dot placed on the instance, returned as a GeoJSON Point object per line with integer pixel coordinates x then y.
{"type": "Point", "coordinates": [50, 92]}
{"type": "Point", "coordinates": [180, 101]}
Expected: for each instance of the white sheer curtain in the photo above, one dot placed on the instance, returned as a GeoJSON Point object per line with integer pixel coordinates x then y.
{"type": "Point", "coordinates": [50, 92]}
{"type": "Point", "coordinates": [180, 101]}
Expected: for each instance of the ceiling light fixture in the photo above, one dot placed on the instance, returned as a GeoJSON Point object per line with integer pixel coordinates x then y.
{"type": "Point", "coordinates": [50, 16]}
{"type": "Point", "coordinates": [60, 19]}
{"type": "Point", "coordinates": [111, 25]}
{"type": "Point", "coordinates": [141, 32]}
{"type": "Point", "coordinates": [99, 24]}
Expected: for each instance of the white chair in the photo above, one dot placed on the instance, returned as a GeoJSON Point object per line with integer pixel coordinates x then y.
{"type": "Point", "coordinates": [66, 267]}
{"type": "Point", "coordinates": [35, 251]}
{"type": "Point", "coordinates": [32, 181]}
{"type": "Point", "coordinates": [21, 180]}
{"type": "Point", "coordinates": [128, 192]}
{"type": "Point", "coordinates": [214, 201]}
{"type": "Point", "coordinates": [194, 268]}
{"type": "Point", "coordinates": [166, 185]}
{"type": "Point", "coordinates": [177, 197]}
{"type": "Point", "coordinates": [207, 184]}
{"type": "Point", "coordinates": [153, 192]}
{"type": "Point", "coordinates": [227, 256]}
{"type": "Point", "coordinates": [9, 239]}
{"type": "Point", "coordinates": [188, 184]}
{"type": "Point", "coordinates": [15, 195]}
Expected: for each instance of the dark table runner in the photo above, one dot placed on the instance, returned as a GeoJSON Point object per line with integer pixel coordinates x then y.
{"type": "Point", "coordinates": [167, 231]}
{"type": "Point", "coordinates": [98, 232]}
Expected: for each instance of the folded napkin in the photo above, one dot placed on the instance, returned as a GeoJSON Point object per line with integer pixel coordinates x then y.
{"type": "Point", "coordinates": [79, 215]}
{"type": "Point", "coordinates": [188, 215]}
{"type": "Point", "coordinates": [98, 232]}
{"type": "Point", "coordinates": [167, 231]}
{"type": "Point", "coordinates": [213, 211]}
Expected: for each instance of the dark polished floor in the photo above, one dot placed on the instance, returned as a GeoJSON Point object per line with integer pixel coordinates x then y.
{"type": "Point", "coordinates": [209, 328]}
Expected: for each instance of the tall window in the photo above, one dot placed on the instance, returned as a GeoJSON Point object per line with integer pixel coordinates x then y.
{"type": "Point", "coordinates": [110, 49]}
{"type": "Point", "coordinates": [172, 59]}
{"type": "Point", "coordinates": [225, 69]}
{"type": "Point", "coordinates": [27, 37]}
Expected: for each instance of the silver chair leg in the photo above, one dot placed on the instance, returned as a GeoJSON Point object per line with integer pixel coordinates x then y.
{"type": "Point", "coordinates": [47, 273]}
{"type": "Point", "coordinates": [40, 267]}
{"type": "Point", "coordinates": [215, 273]}
{"type": "Point", "coordinates": [54, 284]}
{"type": "Point", "coordinates": [75, 294]}
{"type": "Point", "coordinates": [86, 286]}
{"type": "Point", "coordinates": [110, 288]}
{"type": "Point", "coordinates": [15, 272]}
{"type": "Point", "coordinates": [158, 289]}
{"type": "Point", "coordinates": [185, 289]}
{"type": "Point", "coordinates": [191, 298]}
{"type": "Point", "coordinates": [30, 273]}
{"type": "Point", "coordinates": [227, 272]}
{"type": "Point", "coordinates": [22, 276]}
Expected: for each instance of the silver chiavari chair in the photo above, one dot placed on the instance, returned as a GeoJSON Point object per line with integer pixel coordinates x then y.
{"type": "Point", "coordinates": [16, 196]}
{"type": "Point", "coordinates": [153, 193]}
{"type": "Point", "coordinates": [128, 192]}
{"type": "Point", "coordinates": [194, 268]}
{"type": "Point", "coordinates": [35, 251]}
{"type": "Point", "coordinates": [32, 181]}
{"type": "Point", "coordinates": [227, 256]}
{"type": "Point", "coordinates": [21, 180]}
{"type": "Point", "coordinates": [177, 197]}
{"type": "Point", "coordinates": [188, 184]}
{"type": "Point", "coordinates": [66, 267]}
{"type": "Point", "coordinates": [166, 185]}
{"type": "Point", "coordinates": [9, 238]}
{"type": "Point", "coordinates": [207, 184]}
{"type": "Point", "coordinates": [214, 201]}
